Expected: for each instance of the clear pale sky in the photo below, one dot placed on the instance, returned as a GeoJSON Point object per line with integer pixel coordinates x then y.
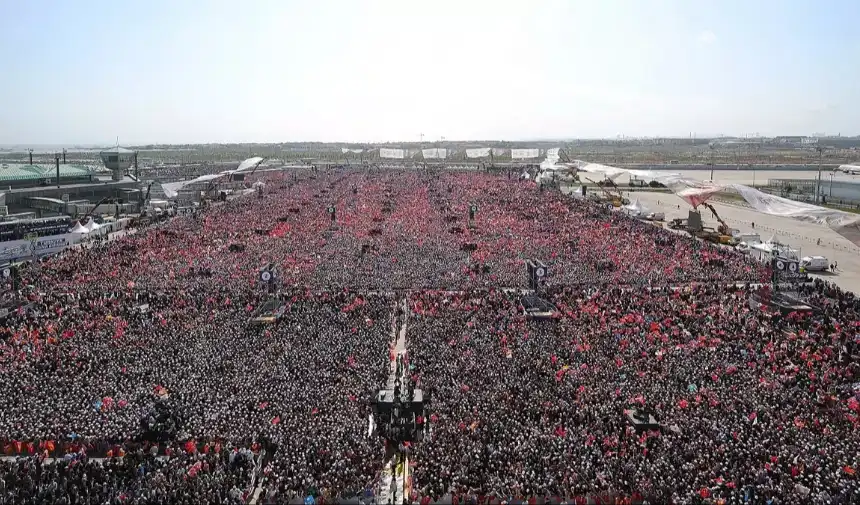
{"type": "Point", "coordinates": [268, 71]}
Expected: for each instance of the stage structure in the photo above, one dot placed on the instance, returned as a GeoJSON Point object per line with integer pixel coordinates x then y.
{"type": "Point", "coordinates": [273, 309]}
{"type": "Point", "coordinates": [534, 305]}
{"type": "Point", "coordinates": [399, 413]}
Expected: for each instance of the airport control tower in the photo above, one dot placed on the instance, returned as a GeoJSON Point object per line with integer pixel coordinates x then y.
{"type": "Point", "coordinates": [118, 160]}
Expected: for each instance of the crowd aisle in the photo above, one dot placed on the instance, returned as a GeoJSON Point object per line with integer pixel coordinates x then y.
{"type": "Point", "coordinates": [140, 351]}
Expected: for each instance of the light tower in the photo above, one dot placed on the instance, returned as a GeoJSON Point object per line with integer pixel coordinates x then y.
{"type": "Point", "coordinates": [117, 160]}
{"type": "Point", "coordinates": [820, 150]}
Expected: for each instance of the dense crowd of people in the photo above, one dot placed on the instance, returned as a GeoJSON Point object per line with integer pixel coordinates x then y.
{"type": "Point", "coordinates": [755, 407]}
{"type": "Point", "coordinates": [180, 171]}
{"type": "Point", "coordinates": [145, 348]}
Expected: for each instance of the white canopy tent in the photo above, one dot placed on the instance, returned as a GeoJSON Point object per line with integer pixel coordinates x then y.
{"type": "Point", "coordinates": [79, 228]}
{"type": "Point", "coordinates": [635, 208]}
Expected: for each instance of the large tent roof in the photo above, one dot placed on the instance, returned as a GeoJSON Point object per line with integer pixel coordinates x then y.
{"type": "Point", "coordinates": [171, 189]}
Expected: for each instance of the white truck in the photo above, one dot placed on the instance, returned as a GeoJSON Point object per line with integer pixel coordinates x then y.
{"type": "Point", "coordinates": [814, 263]}
{"type": "Point", "coordinates": [743, 241]}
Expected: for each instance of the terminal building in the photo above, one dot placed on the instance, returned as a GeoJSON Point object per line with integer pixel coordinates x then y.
{"type": "Point", "coordinates": [46, 190]}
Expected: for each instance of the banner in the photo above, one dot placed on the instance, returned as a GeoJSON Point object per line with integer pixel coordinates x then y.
{"type": "Point", "coordinates": [434, 153]}
{"type": "Point", "coordinates": [524, 154]}
{"type": "Point", "coordinates": [14, 250]}
{"type": "Point", "coordinates": [392, 154]}
{"type": "Point", "coordinates": [480, 152]}
{"type": "Point", "coordinates": [499, 151]}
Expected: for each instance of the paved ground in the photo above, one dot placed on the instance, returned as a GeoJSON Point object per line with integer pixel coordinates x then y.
{"type": "Point", "coordinates": [802, 236]}
{"type": "Point", "coordinates": [760, 177]}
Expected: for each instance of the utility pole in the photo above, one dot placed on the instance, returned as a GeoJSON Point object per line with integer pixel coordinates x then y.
{"type": "Point", "coordinates": [711, 146]}
{"type": "Point", "coordinates": [820, 150]}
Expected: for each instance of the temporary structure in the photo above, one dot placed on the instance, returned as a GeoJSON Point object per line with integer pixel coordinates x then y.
{"type": "Point", "coordinates": [79, 228]}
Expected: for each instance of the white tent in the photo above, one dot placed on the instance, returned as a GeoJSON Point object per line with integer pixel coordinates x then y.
{"type": "Point", "coordinates": [635, 208]}
{"type": "Point", "coordinates": [91, 226]}
{"type": "Point", "coordinates": [79, 228]}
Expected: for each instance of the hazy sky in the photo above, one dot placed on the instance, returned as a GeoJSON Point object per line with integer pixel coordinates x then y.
{"type": "Point", "coordinates": [266, 71]}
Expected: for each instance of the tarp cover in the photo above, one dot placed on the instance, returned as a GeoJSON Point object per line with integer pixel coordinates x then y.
{"type": "Point", "coordinates": [171, 189]}
{"type": "Point", "coordinates": [695, 192]}
{"type": "Point", "coordinates": [249, 164]}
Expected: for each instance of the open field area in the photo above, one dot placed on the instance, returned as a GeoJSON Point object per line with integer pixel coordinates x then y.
{"type": "Point", "coordinates": [800, 235]}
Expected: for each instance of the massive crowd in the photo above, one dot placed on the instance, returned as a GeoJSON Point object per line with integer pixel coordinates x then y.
{"type": "Point", "coordinates": [142, 347]}
{"type": "Point", "coordinates": [755, 406]}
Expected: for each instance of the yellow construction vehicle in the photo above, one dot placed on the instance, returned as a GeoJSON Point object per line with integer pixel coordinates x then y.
{"type": "Point", "coordinates": [723, 229]}
{"type": "Point", "coordinates": [624, 201]}
{"type": "Point", "coordinates": [616, 201]}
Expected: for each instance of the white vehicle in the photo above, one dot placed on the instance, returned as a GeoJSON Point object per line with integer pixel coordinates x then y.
{"type": "Point", "coordinates": [747, 238]}
{"type": "Point", "coordinates": [814, 263]}
{"type": "Point", "coordinates": [656, 216]}
{"type": "Point", "coordinates": [765, 252]}
{"type": "Point", "coordinates": [849, 169]}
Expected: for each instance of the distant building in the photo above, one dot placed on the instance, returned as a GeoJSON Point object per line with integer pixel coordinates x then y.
{"type": "Point", "coordinates": [788, 140]}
